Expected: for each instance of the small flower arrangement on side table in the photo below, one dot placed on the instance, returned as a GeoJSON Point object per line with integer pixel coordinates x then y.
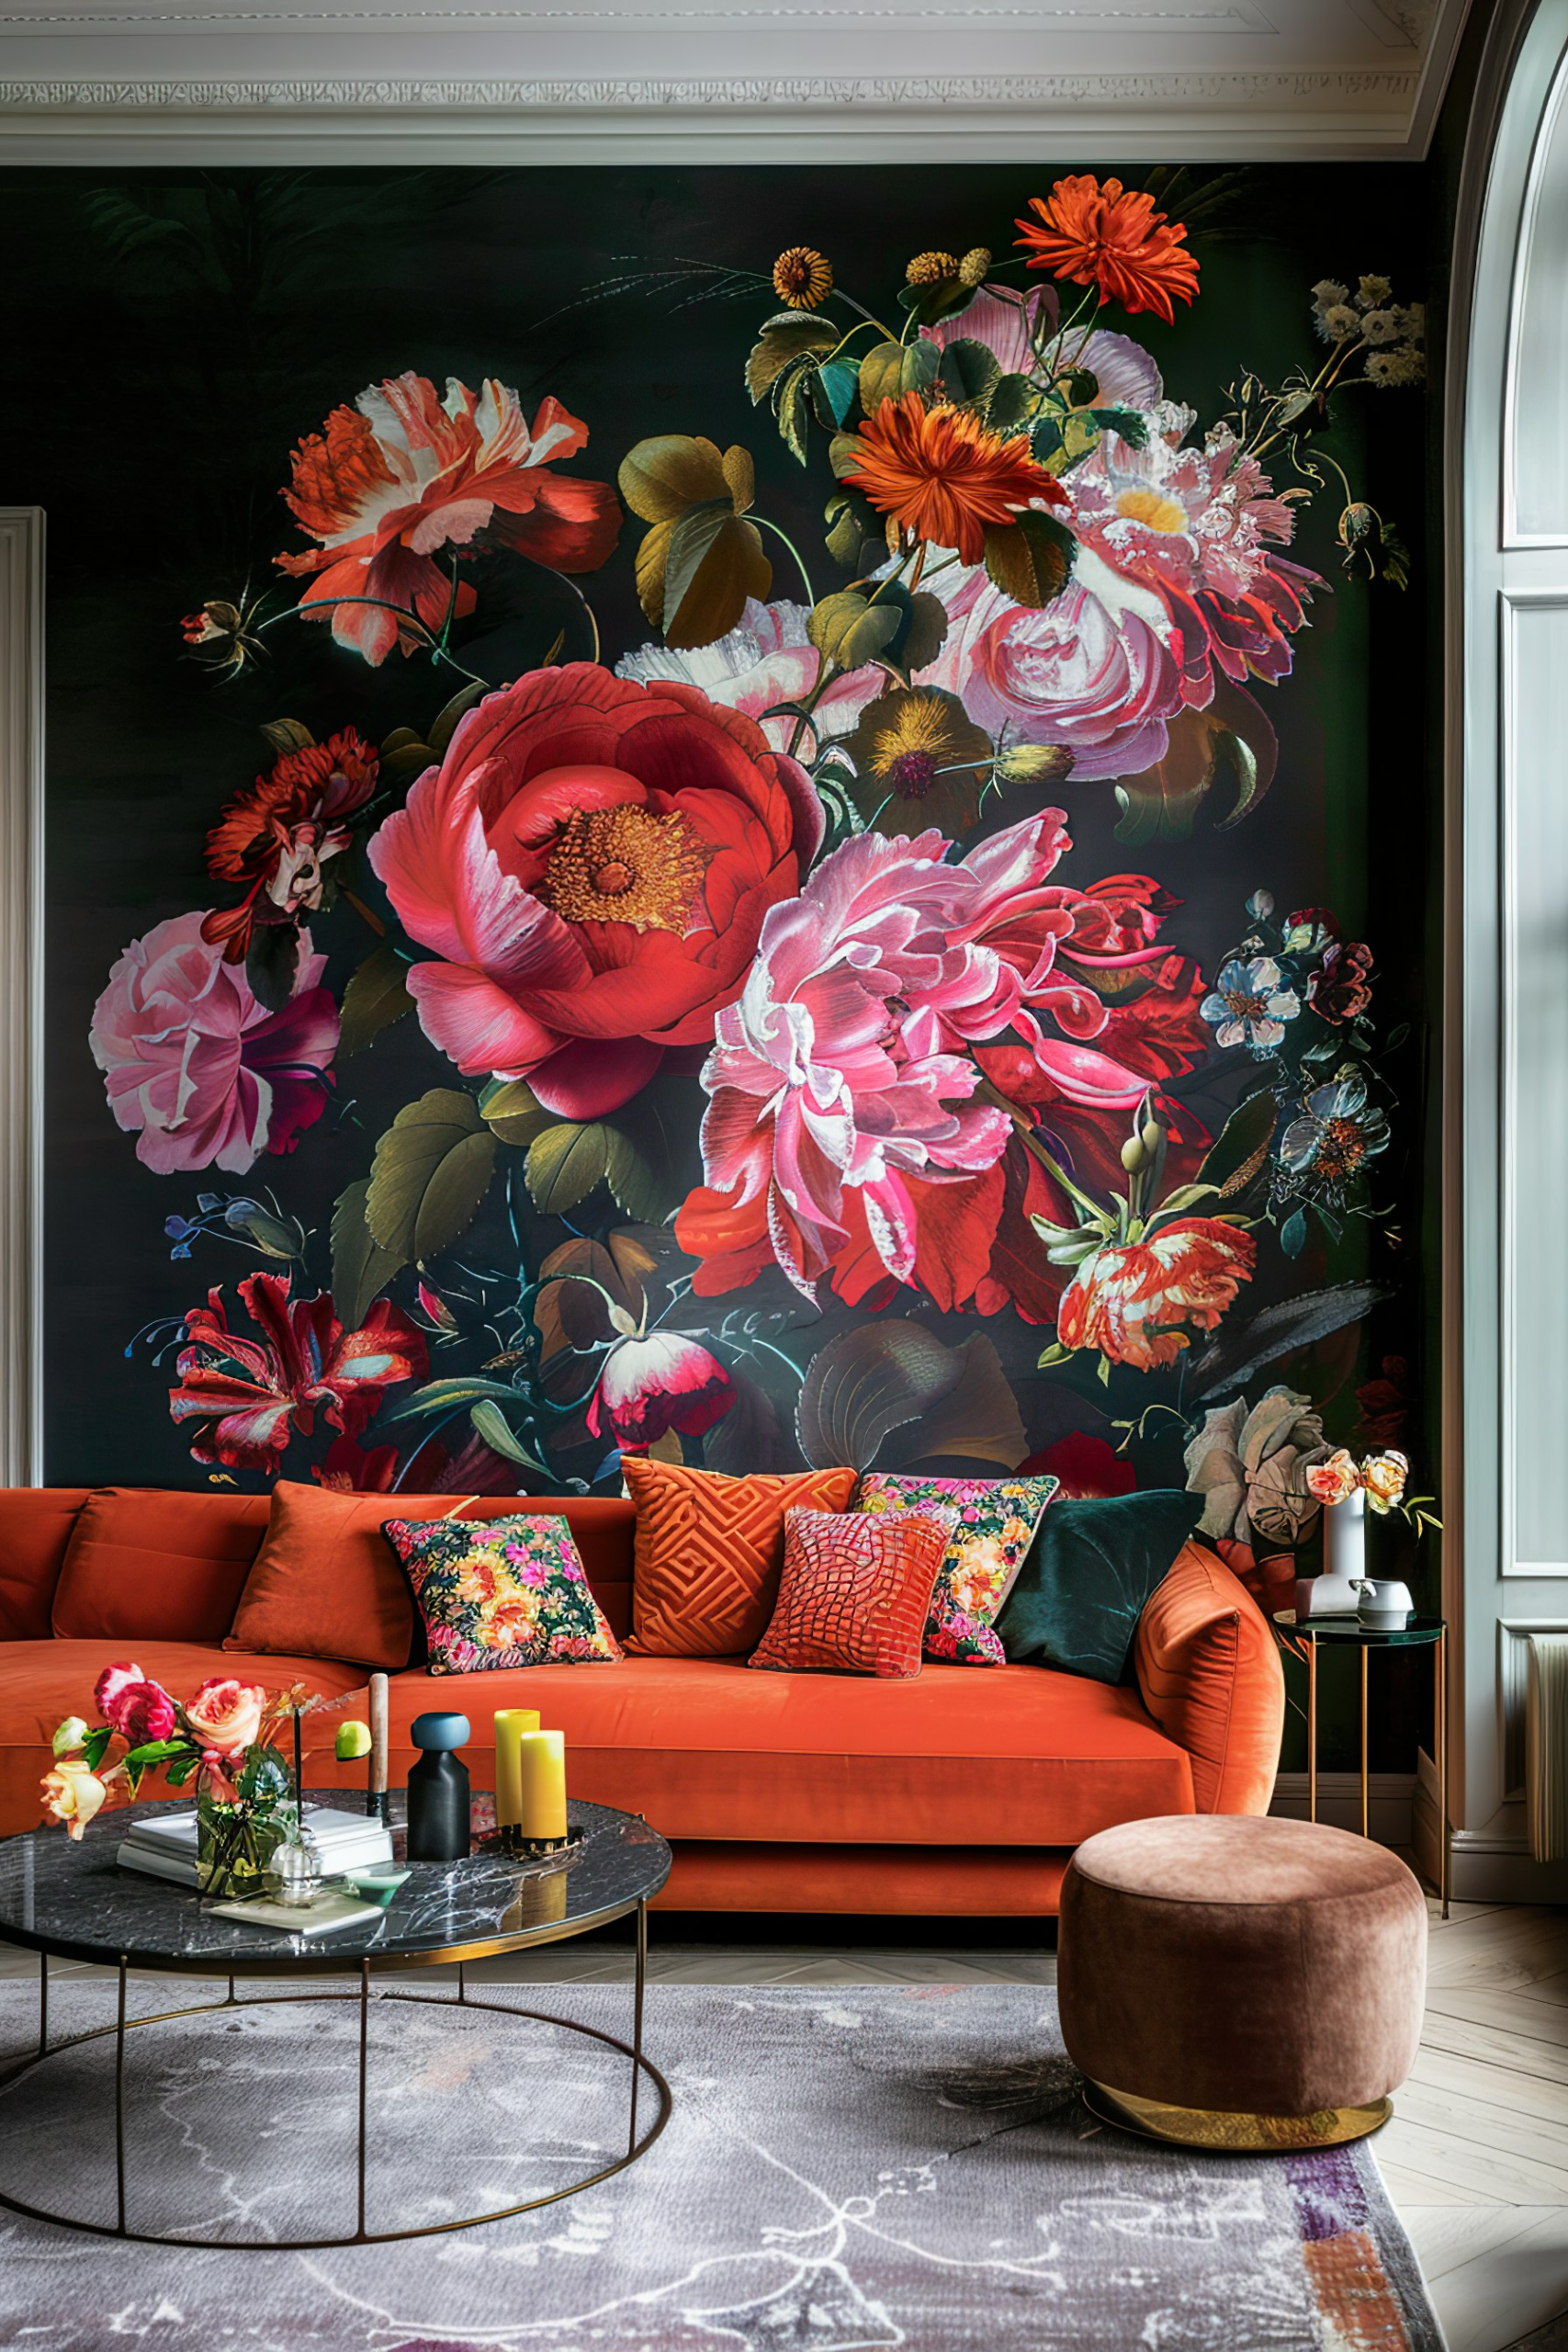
{"type": "Point", "coordinates": [1345, 1487]}
{"type": "Point", "coordinates": [223, 1735]}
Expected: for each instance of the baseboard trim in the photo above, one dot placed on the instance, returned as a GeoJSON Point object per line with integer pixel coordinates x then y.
{"type": "Point", "coordinates": [1389, 1802]}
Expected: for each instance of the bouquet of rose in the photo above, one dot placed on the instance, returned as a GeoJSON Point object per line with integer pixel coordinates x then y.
{"type": "Point", "coordinates": [1381, 1477]}
{"type": "Point", "coordinates": [224, 1732]}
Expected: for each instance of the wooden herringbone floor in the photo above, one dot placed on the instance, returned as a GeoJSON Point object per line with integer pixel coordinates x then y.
{"type": "Point", "coordinates": [1475, 2158]}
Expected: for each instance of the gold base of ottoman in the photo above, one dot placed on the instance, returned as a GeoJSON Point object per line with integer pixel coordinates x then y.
{"type": "Point", "coordinates": [1203, 2127]}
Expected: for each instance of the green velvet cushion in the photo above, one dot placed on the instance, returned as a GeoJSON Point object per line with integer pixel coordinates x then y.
{"type": "Point", "coordinates": [1093, 1564]}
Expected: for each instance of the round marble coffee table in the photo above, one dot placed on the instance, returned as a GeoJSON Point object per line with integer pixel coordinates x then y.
{"type": "Point", "coordinates": [72, 1901]}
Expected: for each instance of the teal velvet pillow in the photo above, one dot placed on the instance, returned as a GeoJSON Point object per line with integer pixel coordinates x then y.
{"type": "Point", "coordinates": [1081, 1590]}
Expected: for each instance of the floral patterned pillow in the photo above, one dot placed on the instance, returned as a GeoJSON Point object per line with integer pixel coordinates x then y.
{"type": "Point", "coordinates": [995, 1526]}
{"type": "Point", "coordinates": [501, 1592]}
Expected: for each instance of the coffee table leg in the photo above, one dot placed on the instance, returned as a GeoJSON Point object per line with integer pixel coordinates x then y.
{"type": "Point", "coordinates": [462, 1985]}
{"type": "Point", "coordinates": [636, 2015]}
{"type": "Point", "coordinates": [364, 2056]}
{"type": "Point", "coordinates": [44, 2005]}
{"type": "Point", "coordinates": [119, 2103]}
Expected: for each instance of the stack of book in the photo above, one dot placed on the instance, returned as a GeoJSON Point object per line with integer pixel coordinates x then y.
{"type": "Point", "coordinates": [164, 1844]}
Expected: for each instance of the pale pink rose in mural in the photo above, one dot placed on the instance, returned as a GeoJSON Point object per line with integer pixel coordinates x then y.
{"type": "Point", "coordinates": [195, 1066]}
{"type": "Point", "coordinates": [767, 659]}
{"type": "Point", "coordinates": [1095, 671]}
{"type": "Point", "coordinates": [1198, 525]}
{"type": "Point", "coordinates": [841, 1072]}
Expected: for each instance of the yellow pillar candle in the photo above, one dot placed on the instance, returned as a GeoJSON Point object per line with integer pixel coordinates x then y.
{"type": "Point", "coordinates": [543, 1762]}
{"type": "Point", "coordinates": [511, 1723]}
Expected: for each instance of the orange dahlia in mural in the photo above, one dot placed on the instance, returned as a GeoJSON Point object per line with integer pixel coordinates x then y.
{"type": "Point", "coordinates": [937, 473]}
{"type": "Point", "coordinates": [1111, 237]}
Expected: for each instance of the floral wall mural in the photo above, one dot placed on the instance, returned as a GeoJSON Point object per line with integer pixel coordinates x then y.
{"type": "Point", "coordinates": [761, 836]}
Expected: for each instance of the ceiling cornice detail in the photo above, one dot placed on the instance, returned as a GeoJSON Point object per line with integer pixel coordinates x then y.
{"type": "Point", "coordinates": [1393, 87]}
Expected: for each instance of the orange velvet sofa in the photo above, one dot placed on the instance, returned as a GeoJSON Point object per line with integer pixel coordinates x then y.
{"type": "Point", "coordinates": [962, 1791]}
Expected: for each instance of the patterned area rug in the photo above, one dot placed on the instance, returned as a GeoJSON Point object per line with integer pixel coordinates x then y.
{"type": "Point", "coordinates": [845, 2169]}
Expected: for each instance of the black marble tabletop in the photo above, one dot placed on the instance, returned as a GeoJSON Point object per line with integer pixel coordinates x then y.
{"type": "Point", "coordinates": [73, 1900]}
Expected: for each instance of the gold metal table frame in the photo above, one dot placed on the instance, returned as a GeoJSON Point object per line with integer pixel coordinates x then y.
{"type": "Point", "coordinates": [361, 2234]}
{"type": "Point", "coordinates": [1303, 1641]}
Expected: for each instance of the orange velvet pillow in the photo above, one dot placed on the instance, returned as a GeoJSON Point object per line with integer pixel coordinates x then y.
{"type": "Point", "coordinates": [326, 1581]}
{"type": "Point", "coordinates": [708, 1552]}
{"type": "Point", "coordinates": [1209, 1673]}
{"type": "Point", "coordinates": [149, 1563]}
{"type": "Point", "coordinates": [854, 1593]}
{"type": "Point", "coordinates": [35, 1528]}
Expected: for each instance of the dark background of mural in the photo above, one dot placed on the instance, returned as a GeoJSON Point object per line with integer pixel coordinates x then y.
{"type": "Point", "coordinates": [163, 385]}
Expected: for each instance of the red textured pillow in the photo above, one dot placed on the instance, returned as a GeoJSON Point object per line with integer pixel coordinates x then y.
{"type": "Point", "coordinates": [854, 1594]}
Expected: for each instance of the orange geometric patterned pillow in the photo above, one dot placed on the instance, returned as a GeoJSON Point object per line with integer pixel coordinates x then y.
{"type": "Point", "coordinates": [854, 1593]}
{"type": "Point", "coordinates": [708, 1552]}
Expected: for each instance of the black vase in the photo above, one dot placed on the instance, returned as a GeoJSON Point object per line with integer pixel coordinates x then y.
{"type": "Point", "coordinates": [438, 1791]}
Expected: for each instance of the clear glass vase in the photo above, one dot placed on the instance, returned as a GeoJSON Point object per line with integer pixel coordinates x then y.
{"type": "Point", "coordinates": [241, 1823]}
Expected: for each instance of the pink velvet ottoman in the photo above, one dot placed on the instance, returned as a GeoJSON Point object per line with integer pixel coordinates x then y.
{"type": "Point", "coordinates": [1231, 1982]}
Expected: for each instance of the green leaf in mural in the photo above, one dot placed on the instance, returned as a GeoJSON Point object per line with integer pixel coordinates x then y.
{"type": "Point", "coordinates": [1240, 1149]}
{"type": "Point", "coordinates": [566, 1162]}
{"type": "Point", "coordinates": [446, 1396]}
{"type": "Point", "coordinates": [1243, 1348]}
{"type": "Point", "coordinates": [512, 1110]}
{"type": "Point", "coordinates": [1231, 738]}
{"type": "Point", "coordinates": [891, 369]}
{"type": "Point", "coordinates": [446, 717]}
{"type": "Point", "coordinates": [784, 338]}
{"type": "Point", "coordinates": [849, 630]}
{"type": "Point", "coordinates": [361, 1268]}
{"type": "Point", "coordinates": [834, 393]}
{"type": "Point", "coordinates": [1012, 404]}
{"type": "Point", "coordinates": [432, 1169]}
{"type": "Point", "coordinates": [970, 372]}
{"type": "Point", "coordinates": [1030, 559]}
{"type": "Point", "coordinates": [377, 995]}
{"type": "Point", "coordinates": [490, 1423]}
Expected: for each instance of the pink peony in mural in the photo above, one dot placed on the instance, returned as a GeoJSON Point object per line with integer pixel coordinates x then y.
{"type": "Point", "coordinates": [592, 862]}
{"type": "Point", "coordinates": [203, 1075]}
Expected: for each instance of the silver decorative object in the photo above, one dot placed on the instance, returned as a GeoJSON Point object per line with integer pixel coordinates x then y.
{"type": "Point", "coordinates": [297, 1873]}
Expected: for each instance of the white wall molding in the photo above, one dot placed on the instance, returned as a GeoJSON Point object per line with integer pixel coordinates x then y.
{"type": "Point", "coordinates": [901, 78]}
{"type": "Point", "coordinates": [21, 992]}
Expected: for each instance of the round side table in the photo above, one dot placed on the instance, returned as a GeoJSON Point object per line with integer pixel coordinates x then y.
{"type": "Point", "coordinates": [1304, 1640]}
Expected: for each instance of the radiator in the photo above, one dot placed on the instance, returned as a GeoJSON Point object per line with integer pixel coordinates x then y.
{"type": "Point", "coordinates": [1546, 1747]}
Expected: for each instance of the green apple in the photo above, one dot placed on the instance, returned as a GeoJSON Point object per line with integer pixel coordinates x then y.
{"type": "Point", "coordinates": [353, 1741]}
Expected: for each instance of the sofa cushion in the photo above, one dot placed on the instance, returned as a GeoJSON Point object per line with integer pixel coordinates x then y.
{"type": "Point", "coordinates": [327, 1583]}
{"type": "Point", "coordinates": [498, 1593]}
{"type": "Point", "coordinates": [42, 1682]}
{"type": "Point", "coordinates": [35, 1527]}
{"type": "Point", "coordinates": [149, 1563]}
{"type": "Point", "coordinates": [1089, 1572]}
{"type": "Point", "coordinates": [709, 1550]}
{"type": "Point", "coordinates": [1017, 1756]}
{"type": "Point", "coordinates": [1209, 1671]}
{"type": "Point", "coordinates": [854, 1593]}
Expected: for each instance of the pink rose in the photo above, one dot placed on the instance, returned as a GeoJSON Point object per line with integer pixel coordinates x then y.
{"type": "Point", "coordinates": [1093, 672]}
{"type": "Point", "coordinates": [226, 1713]}
{"type": "Point", "coordinates": [109, 1685]}
{"type": "Point", "coordinates": [195, 1065]}
{"type": "Point", "coordinates": [143, 1710]}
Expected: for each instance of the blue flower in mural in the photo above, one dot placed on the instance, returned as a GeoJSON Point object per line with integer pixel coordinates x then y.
{"type": "Point", "coordinates": [1334, 1135]}
{"type": "Point", "coordinates": [1249, 1004]}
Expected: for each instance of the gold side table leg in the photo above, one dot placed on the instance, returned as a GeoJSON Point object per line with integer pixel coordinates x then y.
{"type": "Point", "coordinates": [1366, 1830]}
{"type": "Point", "coordinates": [1440, 1742]}
{"type": "Point", "coordinates": [1312, 1730]}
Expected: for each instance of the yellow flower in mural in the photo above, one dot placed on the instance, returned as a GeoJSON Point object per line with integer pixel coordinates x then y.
{"type": "Point", "coordinates": [803, 277]}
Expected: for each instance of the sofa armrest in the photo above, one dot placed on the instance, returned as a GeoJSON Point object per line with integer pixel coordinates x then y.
{"type": "Point", "coordinates": [1208, 1668]}
{"type": "Point", "coordinates": [36, 1524]}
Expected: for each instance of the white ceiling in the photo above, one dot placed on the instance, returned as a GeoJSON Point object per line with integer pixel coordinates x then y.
{"type": "Point", "coordinates": [708, 80]}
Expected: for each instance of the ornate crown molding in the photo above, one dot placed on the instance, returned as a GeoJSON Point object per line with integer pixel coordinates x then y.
{"type": "Point", "coordinates": [1392, 88]}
